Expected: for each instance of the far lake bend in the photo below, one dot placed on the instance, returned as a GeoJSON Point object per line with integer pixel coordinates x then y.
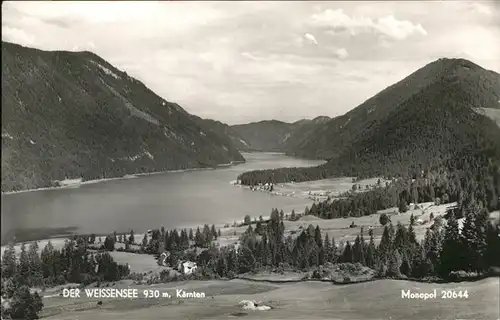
{"type": "Point", "coordinates": [173, 199]}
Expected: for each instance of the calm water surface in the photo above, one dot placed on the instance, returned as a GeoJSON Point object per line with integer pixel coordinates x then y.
{"type": "Point", "coordinates": [175, 199]}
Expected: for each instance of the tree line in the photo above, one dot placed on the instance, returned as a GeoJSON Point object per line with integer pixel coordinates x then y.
{"type": "Point", "coordinates": [74, 263]}
{"type": "Point", "coordinates": [467, 180]}
{"type": "Point", "coordinates": [158, 241]}
{"type": "Point", "coordinates": [443, 253]}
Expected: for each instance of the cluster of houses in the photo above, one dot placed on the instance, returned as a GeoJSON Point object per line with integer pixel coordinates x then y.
{"type": "Point", "coordinates": [265, 187]}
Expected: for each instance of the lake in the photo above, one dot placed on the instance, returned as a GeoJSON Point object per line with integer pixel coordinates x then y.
{"type": "Point", "coordinates": [173, 199]}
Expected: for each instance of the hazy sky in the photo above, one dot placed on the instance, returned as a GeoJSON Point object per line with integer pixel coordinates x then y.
{"type": "Point", "coordinates": [246, 61]}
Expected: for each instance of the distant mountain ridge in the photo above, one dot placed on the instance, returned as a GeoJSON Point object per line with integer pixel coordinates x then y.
{"type": "Point", "coordinates": [274, 135]}
{"type": "Point", "coordinates": [72, 114]}
{"type": "Point", "coordinates": [436, 115]}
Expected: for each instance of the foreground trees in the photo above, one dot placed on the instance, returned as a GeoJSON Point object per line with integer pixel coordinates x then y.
{"type": "Point", "coordinates": [444, 249]}
{"type": "Point", "coordinates": [73, 263]}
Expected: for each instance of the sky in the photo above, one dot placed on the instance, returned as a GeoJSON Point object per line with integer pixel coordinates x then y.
{"type": "Point", "coordinates": [239, 62]}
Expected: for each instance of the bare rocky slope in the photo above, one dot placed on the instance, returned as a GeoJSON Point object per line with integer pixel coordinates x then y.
{"type": "Point", "coordinates": [72, 115]}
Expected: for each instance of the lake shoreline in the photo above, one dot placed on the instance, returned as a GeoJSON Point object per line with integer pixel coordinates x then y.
{"type": "Point", "coordinates": [124, 177]}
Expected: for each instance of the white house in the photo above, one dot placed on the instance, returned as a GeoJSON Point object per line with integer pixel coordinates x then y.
{"type": "Point", "coordinates": [189, 267]}
{"type": "Point", "coordinates": [186, 267]}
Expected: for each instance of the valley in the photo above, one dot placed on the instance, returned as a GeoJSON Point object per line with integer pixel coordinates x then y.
{"type": "Point", "coordinates": [343, 174]}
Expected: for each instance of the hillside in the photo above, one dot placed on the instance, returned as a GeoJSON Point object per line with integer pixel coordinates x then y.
{"type": "Point", "coordinates": [427, 118]}
{"type": "Point", "coordinates": [226, 132]}
{"type": "Point", "coordinates": [481, 88]}
{"type": "Point", "coordinates": [492, 113]}
{"type": "Point", "coordinates": [72, 114]}
{"type": "Point", "coordinates": [274, 135]}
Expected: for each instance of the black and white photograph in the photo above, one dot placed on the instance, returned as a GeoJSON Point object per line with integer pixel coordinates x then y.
{"type": "Point", "coordinates": [322, 160]}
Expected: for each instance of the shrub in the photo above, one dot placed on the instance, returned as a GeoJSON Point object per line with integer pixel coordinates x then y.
{"type": "Point", "coordinates": [384, 219]}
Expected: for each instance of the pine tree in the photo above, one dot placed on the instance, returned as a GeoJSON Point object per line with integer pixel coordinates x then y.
{"type": "Point", "coordinates": [481, 245]}
{"type": "Point", "coordinates": [385, 246]}
{"type": "Point", "coordinates": [401, 238]}
{"type": "Point", "coordinates": [198, 238]}
{"type": "Point", "coordinates": [405, 267]}
{"type": "Point", "coordinates": [47, 260]}
{"type": "Point", "coordinates": [412, 238]}
{"type": "Point", "coordinates": [431, 248]}
{"type": "Point", "coordinates": [327, 246]}
{"type": "Point", "coordinates": [131, 238]}
{"type": "Point", "coordinates": [162, 232]}
{"type": "Point", "coordinates": [214, 232]}
{"type": "Point", "coordinates": [334, 251]}
{"type": "Point", "coordinates": [35, 264]}
{"type": "Point", "coordinates": [347, 255]}
{"type": "Point", "coordinates": [358, 252]}
{"type": "Point", "coordinates": [469, 241]}
{"type": "Point", "coordinates": [9, 265]}
{"type": "Point", "coordinates": [371, 251]}
{"type": "Point", "coordinates": [24, 267]}
{"type": "Point", "coordinates": [393, 268]}
{"type": "Point", "coordinates": [450, 258]}
{"type": "Point", "coordinates": [492, 257]}
{"type": "Point", "coordinates": [317, 236]}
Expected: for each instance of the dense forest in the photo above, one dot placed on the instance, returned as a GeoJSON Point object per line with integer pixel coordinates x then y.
{"type": "Point", "coordinates": [74, 115]}
{"type": "Point", "coordinates": [412, 126]}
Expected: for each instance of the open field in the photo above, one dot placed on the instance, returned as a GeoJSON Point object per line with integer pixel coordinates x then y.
{"type": "Point", "coordinates": [306, 300]}
{"type": "Point", "coordinates": [322, 189]}
{"type": "Point", "coordinates": [139, 263]}
{"type": "Point", "coordinates": [339, 228]}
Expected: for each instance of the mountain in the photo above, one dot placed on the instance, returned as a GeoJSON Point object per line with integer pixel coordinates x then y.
{"type": "Point", "coordinates": [225, 132]}
{"type": "Point", "coordinates": [480, 87]}
{"type": "Point", "coordinates": [433, 116]}
{"type": "Point", "coordinates": [274, 135]}
{"type": "Point", "coordinates": [72, 114]}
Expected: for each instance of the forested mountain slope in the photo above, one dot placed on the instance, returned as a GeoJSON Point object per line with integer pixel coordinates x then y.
{"type": "Point", "coordinates": [225, 132]}
{"type": "Point", "coordinates": [416, 124]}
{"type": "Point", "coordinates": [72, 114]}
{"type": "Point", "coordinates": [267, 135]}
{"type": "Point", "coordinates": [274, 135]}
{"type": "Point", "coordinates": [480, 86]}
